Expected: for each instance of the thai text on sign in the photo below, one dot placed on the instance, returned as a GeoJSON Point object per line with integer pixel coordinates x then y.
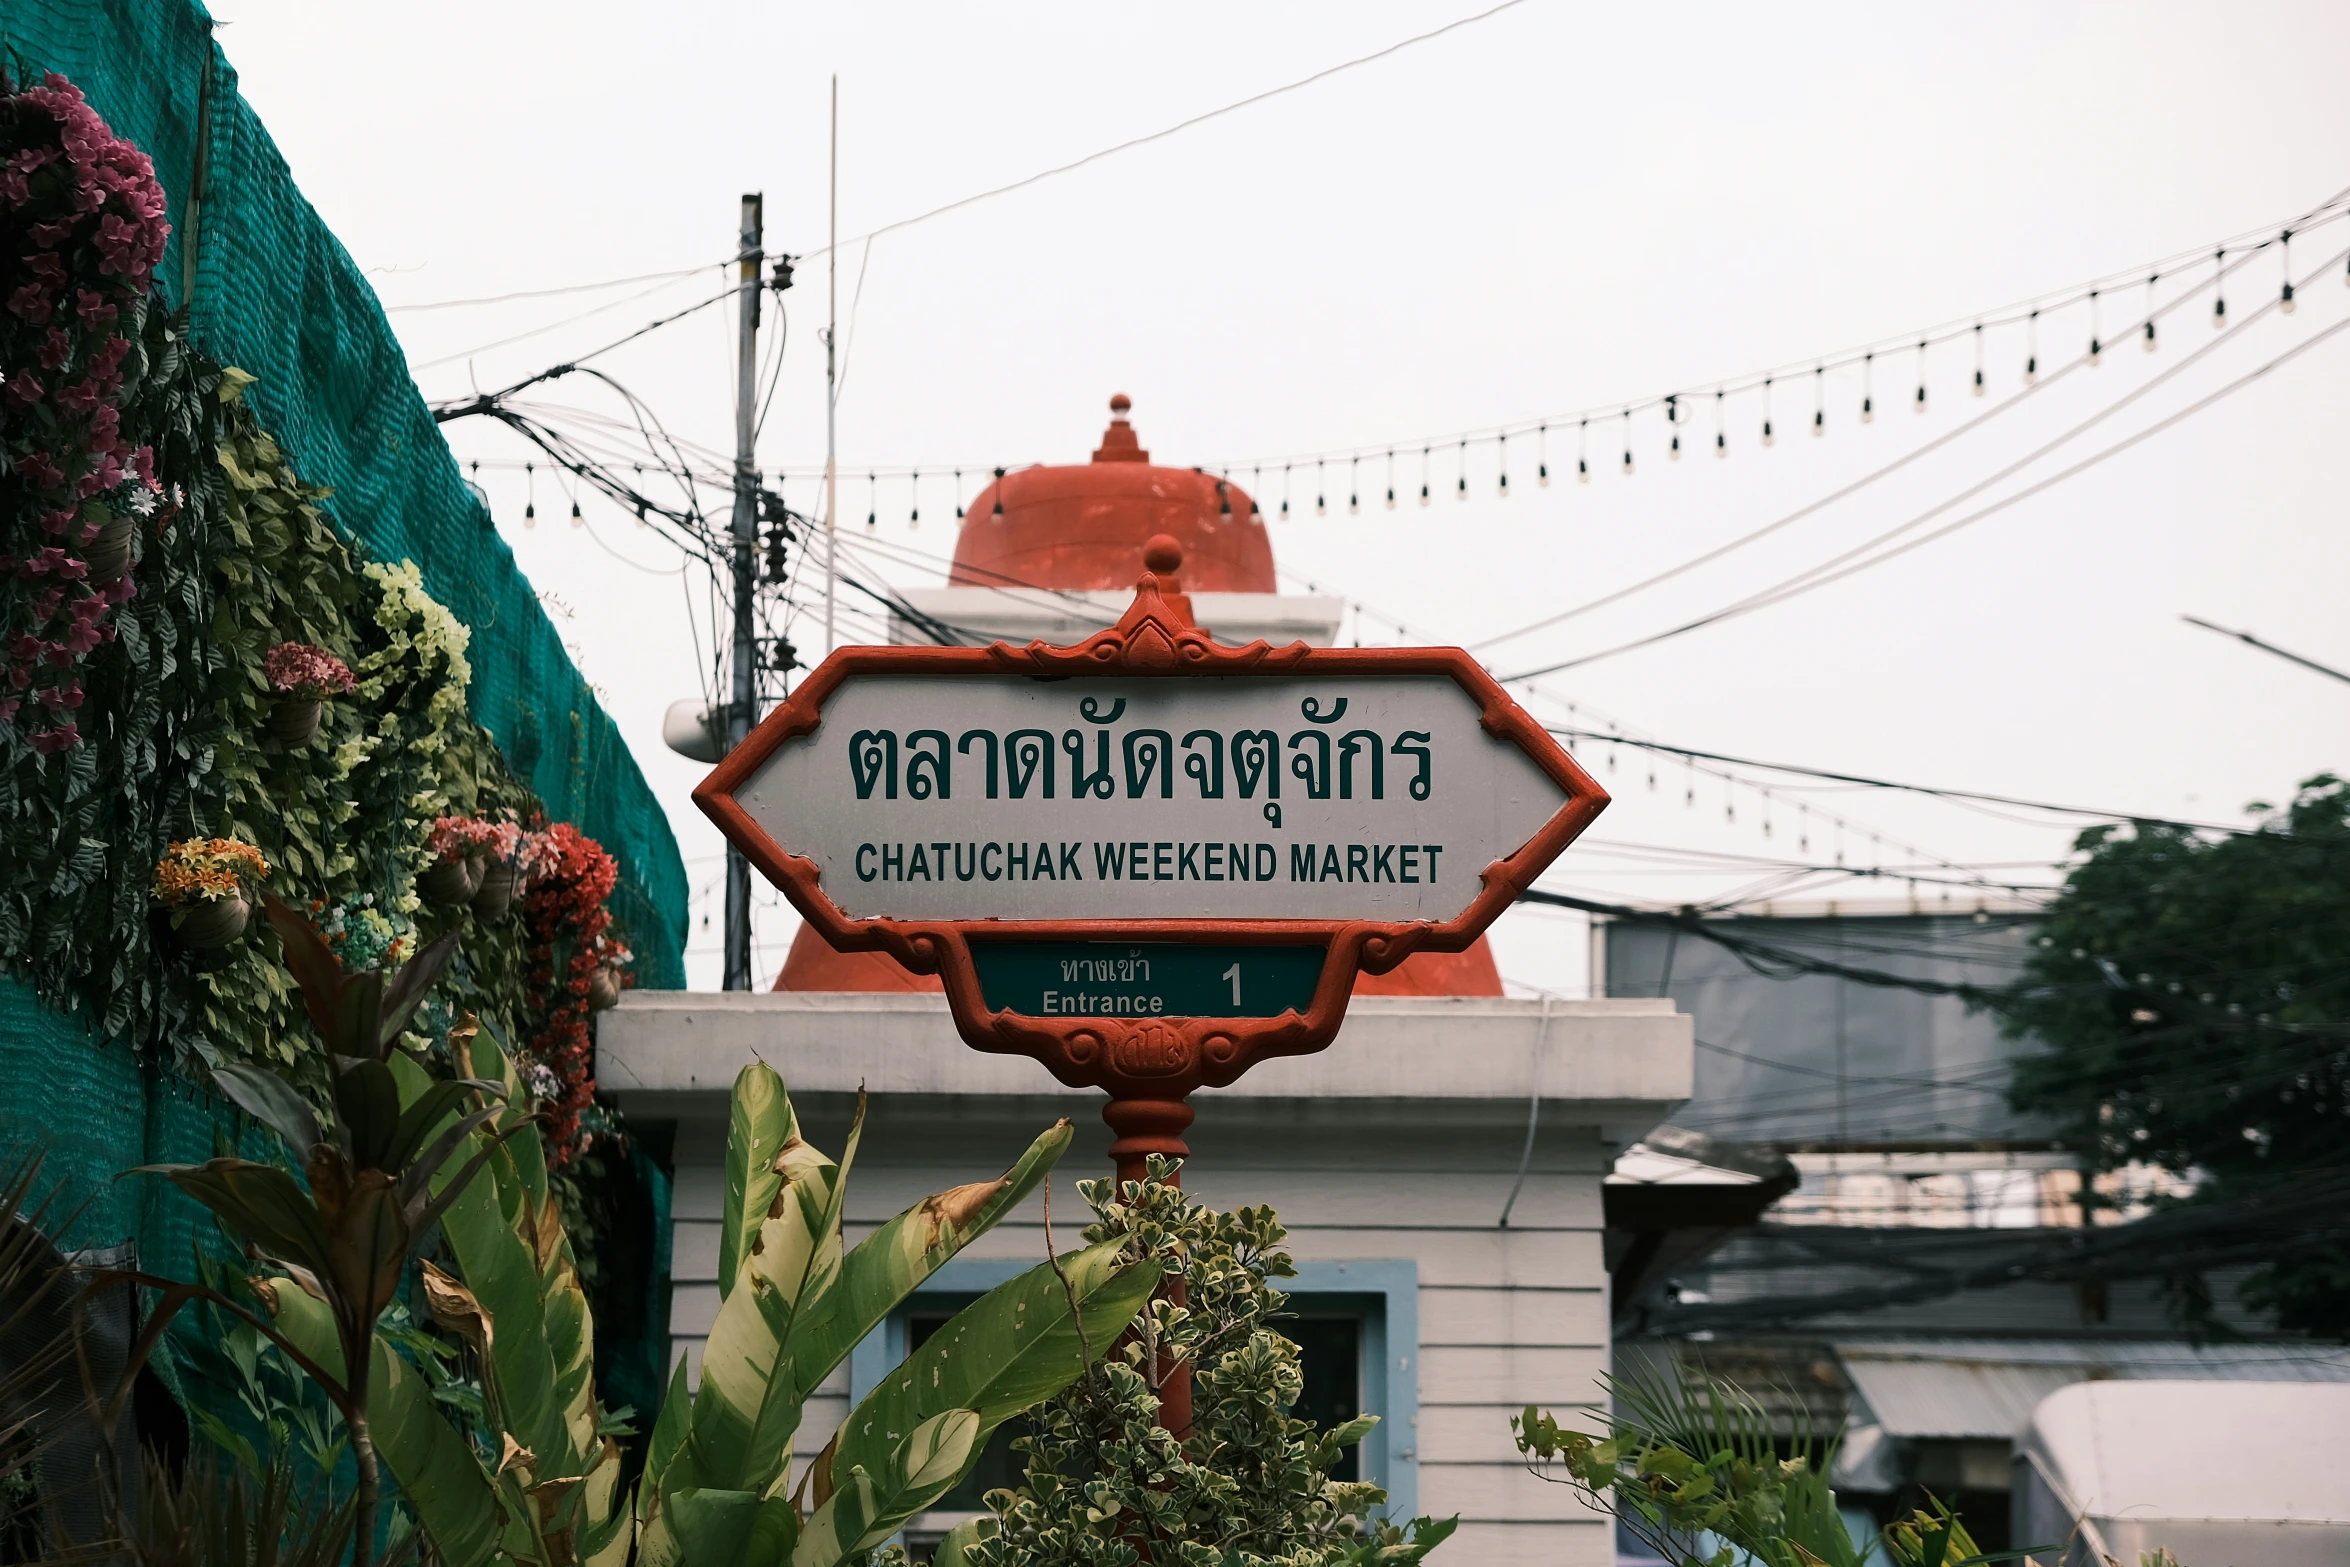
{"type": "Point", "coordinates": [1189, 797]}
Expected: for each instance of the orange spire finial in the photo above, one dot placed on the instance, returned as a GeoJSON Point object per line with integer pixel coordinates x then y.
{"type": "Point", "coordinates": [1118, 441]}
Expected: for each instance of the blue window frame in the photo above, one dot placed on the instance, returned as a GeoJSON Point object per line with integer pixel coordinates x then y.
{"type": "Point", "coordinates": [1382, 1296]}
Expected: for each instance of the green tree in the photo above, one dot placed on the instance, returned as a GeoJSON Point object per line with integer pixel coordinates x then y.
{"type": "Point", "coordinates": [2194, 992]}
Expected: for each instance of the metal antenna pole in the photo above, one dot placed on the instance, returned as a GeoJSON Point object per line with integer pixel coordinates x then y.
{"type": "Point", "coordinates": [742, 711]}
{"type": "Point", "coordinates": [832, 374]}
{"type": "Point", "coordinates": [2249, 639]}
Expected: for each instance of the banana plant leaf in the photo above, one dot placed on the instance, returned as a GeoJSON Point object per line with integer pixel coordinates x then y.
{"type": "Point", "coordinates": [1007, 1351]}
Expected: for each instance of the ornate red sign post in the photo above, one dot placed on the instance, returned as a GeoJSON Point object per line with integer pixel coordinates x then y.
{"type": "Point", "coordinates": [1150, 860]}
{"type": "Point", "coordinates": [895, 825]}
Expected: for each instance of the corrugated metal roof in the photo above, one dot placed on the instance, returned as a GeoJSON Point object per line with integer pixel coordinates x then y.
{"type": "Point", "coordinates": [1988, 1388]}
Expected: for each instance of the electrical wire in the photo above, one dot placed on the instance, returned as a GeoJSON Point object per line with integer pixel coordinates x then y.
{"type": "Point", "coordinates": [1180, 126]}
{"type": "Point", "coordinates": [1886, 783]}
{"type": "Point", "coordinates": [550, 293]}
{"type": "Point", "coordinates": [1820, 576]}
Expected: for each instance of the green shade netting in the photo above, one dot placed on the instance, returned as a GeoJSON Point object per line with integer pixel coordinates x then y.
{"type": "Point", "coordinates": [274, 293]}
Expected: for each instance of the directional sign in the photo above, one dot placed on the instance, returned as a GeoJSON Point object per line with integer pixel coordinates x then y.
{"type": "Point", "coordinates": [1102, 979]}
{"type": "Point", "coordinates": [1150, 859]}
{"type": "Point", "coordinates": [1192, 797]}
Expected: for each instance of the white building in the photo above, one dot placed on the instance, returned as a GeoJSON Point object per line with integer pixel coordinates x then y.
{"type": "Point", "coordinates": [1439, 1166]}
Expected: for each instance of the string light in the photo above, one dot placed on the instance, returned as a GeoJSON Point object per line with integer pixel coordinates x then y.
{"type": "Point", "coordinates": [2032, 349]}
{"type": "Point", "coordinates": [1354, 486]}
{"type": "Point", "coordinates": [2095, 331]}
{"type": "Point", "coordinates": [530, 504]}
{"type": "Point", "coordinates": [1321, 500]}
{"type": "Point", "coordinates": [1978, 359]}
{"type": "Point", "coordinates": [1920, 404]}
{"type": "Point", "coordinates": [1819, 408]}
{"type": "Point", "coordinates": [1423, 475]}
{"type": "Point", "coordinates": [2150, 281]}
{"type": "Point", "coordinates": [1627, 441]}
{"type": "Point", "coordinates": [999, 492]}
{"type": "Point", "coordinates": [1461, 473]}
{"type": "Point", "coordinates": [1868, 388]}
{"type": "Point", "coordinates": [1284, 492]}
{"type": "Point", "coordinates": [1721, 435]}
{"type": "Point", "coordinates": [958, 495]}
{"type": "Point", "coordinates": [1542, 470]}
{"type": "Point", "coordinates": [2285, 254]}
{"type": "Point", "coordinates": [872, 502]}
{"type": "Point", "coordinates": [1504, 486]}
{"type": "Point", "coordinates": [1768, 438]}
{"type": "Point", "coordinates": [2219, 296]}
{"type": "Point", "coordinates": [914, 502]}
{"type": "Point", "coordinates": [1673, 423]}
{"type": "Point", "coordinates": [1224, 499]}
{"type": "Point", "coordinates": [1583, 455]}
{"type": "Point", "coordinates": [1391, 481]}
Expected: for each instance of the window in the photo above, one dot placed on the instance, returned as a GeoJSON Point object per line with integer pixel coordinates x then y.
{"type": "Point", "coordinates": [1356, 1325]}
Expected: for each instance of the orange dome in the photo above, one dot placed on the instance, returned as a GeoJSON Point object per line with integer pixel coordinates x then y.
{"type": "Point", "coordinates": [814, 964]}
{"type": "Point", "coordinates": [1081, 528]}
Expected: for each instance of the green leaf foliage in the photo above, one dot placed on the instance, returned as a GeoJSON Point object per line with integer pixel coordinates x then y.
{"type": "Point", "coordinates": [1106, 1486]}
{"type": "Point", "coordinates": [2189, 988]}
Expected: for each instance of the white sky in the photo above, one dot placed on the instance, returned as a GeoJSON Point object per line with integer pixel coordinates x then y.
{"type": "Point", "coordinates": [1564, 206]}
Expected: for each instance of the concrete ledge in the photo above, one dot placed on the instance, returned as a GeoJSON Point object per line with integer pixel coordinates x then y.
{"type": "Point", "coordinates": [1619, 1064]}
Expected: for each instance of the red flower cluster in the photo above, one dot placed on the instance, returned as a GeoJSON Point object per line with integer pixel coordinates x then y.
{"type": "Point", "coordinates": [84, 221]}
{"type": "Point", "coordinates": [305, 673]}
{"type": "Point", "coordinates": [565, 921]}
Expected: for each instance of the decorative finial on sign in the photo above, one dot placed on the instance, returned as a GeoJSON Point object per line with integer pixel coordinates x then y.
{"type": "Point", "coordinates": [1163, 555]}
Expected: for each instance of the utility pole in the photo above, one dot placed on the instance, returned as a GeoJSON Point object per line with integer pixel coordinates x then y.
{"type": "Point", "coordinates": [831, 371]}
{"type": "Point", "coordinates": [742, 711]}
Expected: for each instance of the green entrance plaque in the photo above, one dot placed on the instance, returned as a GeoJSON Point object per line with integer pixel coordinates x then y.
{"type": "Point", "coordinates": [1147, 979]}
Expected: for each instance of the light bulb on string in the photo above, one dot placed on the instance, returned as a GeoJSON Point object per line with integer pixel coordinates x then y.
{"type": "Point", "coordinates": [2219, 284]}
{"type": "Point", "coordinates": [1321, 499]}
{"type": "Point", "coordinates": [1868, 388]}
{"type": "Point", "coordinates": [1729, 801]}
{"type": "Point", "coordinates": [914, 502]}
{"type": "Point", "coordinates": [1768, 438]}
{"type": "Point", "coordinates": [958, 495]}
{"type": "Point", "coordinates": [1673, 424]}
{"type": "Point", "coordinates": [2285, 250]}
{"type": "Point", "coordinates": [2150, 280]}
{"type": "Point", "coordinates": [530, 503]}
{"type": "Point", "coordinates": [1721, 435]}
{"type": "Point", "coordinates": [872, 502]}
{"type": "Point", "coordinates": [1285, 492]}
{"type": "Point", "coordinates": [1802, 828]}
{"type": "Point", "coordinates": [1689, 797]}
{"type": "Point", "coordinates": [1423, 475]}
{"type": "Point", "coordinates": [577, 520]}
{"type": "Point", "coordinates": [2032, 347]}
{"type": "Point", "coordinates": [999, 492]}
{"type": "Point", "coordinates": [1978, 359]}
{"type": "Point", "coordinates": [1819, 400]}
{"type": "Point", "coordinates": [1224, 499]}
{"type": "Point", "coordinates": [1766, 820]}
{"type": "Point", "coordinates": [1542, 467]}
{"type": "Point", "coordinates": [2096, 345]}
{"type": "Point", "coordinates": [1627, 441]}
{"type": "Point", "coordinates": [1354, 485]}
{"type": "Point", "coordinates": [1503, 487]}
{"type": "Point", "coordinates": [1920, 404]}
{"type": "Point", "coordinates": [1391, 478]}
{"type": "Point", "coordinates": [1583, 454]}
{"type": "Point", "coordinates": [1460, 486]}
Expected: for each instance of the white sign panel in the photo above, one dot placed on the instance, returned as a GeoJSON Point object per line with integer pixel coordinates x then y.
{"type": "Point", "coordinates": [1202, 797]}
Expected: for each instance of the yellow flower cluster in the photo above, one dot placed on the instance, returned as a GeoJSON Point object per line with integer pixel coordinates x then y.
{"type": "Point", "coordinates": [207, 870]}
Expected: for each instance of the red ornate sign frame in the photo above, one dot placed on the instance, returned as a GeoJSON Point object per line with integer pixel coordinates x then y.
{"type": "Point", "coordinates": [1150, 1065]}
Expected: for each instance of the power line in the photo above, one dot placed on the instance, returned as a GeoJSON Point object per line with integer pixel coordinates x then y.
{"type": "Point", "coordinates": [549, 293]}
{"type": "Point", "coordinates": [1820, 576]}
{"type": "Point", "coordinates": [1887, 783]}
{"type": "Point", "coordinates": [1180, 126]}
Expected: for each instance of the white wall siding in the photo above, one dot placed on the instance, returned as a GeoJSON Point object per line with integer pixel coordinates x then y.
{"type": "Point", "coordinates": [1505, 1316]}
